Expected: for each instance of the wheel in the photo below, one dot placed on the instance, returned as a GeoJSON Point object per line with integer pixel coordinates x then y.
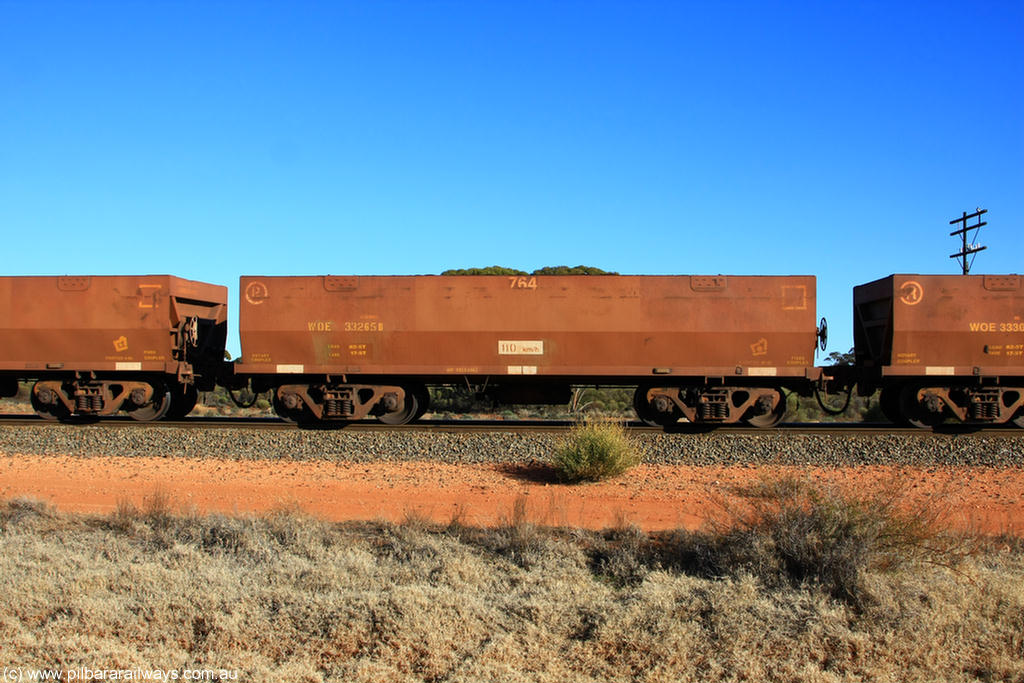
{"type": "Point", "coordinates": [183, 400]}
{"type": "Point", "coordinates": [47, 405]}
{"type": "Point", "coordinates": [770, 418]}
{"type": "Point", "coordinates": [423, 399]}
{"type": "Point", "coordinates": [889, 404]}
{"type": "Point", "coordinates": [647, 414]}
{"type": "Point", "coordinates": [407, 413]}
{"type": "Point", "coordinates": [643, 409]}
{"type": "Point", "coordinates": [914, 413]}
{"type": "Point", "coordinates": [1018, 419]}
{"type": "Point", "coordinates": [286, 414]}
{"type": "Point", "coordinates": [157, 407]}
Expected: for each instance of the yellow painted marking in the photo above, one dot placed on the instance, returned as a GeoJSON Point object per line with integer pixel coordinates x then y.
{"type": "Point", "coordinates": [364, 326]}
{"type": "Point", "coordinates": [256, 292]}
{"type": "Point", "coordinates": [911, 292]}
{"type": "Point", "coordinates": [121, 344]}
{"type": "Point", "coordinates": [760, 347]}
{"type": "Point", "coordinates": [794, 297]}
{"type": "Point", "coordinates": [522, 282]}
{"type": "Point", "coordinates": [149, 295]}
{"type": "Point", "coordinates": [1007, 326]}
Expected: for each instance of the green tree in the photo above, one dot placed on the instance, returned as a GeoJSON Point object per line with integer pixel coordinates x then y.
{"type": "Point", "coordinates": [489, 270]}
{"type": "Point", "coordinates": [575, 270]}
{"type": "Point", "coordinates": [546, 270]}
{"type": "Point", "coordinates": [836, 358]}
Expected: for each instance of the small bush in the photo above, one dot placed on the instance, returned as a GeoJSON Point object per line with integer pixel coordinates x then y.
{"type": "Point", "coordinates": [159, 508]}
{"type": "Point", "coordinates": [517, 537]}
{"type": "Point", "coordinates": [623, 555]}
{"type": "Point", "coordinates": [595, 451]}
{"type": "Point", "coordinates": [17, 509]}
{"type": "Point", "coordinates": [795, 531]}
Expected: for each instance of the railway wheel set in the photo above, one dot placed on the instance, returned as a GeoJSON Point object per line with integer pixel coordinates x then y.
{"type": "Point", "coordinates": [710, 350]}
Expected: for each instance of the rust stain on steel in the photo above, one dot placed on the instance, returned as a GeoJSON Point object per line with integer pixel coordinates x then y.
{"type": "Point", "coordinates": [569, 326]}
{"type": "Point", "coordinates": [913, 324]}
{"type": "Point", "coordinates": [100, 323]}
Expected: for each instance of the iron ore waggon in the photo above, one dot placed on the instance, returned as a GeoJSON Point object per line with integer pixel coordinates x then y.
{"type": "Point", "coordinates": [942, 346]}
{"type": "Point", "coordinates": [714, 349]}
{"type": "Point", "coordinates": [96, 345]}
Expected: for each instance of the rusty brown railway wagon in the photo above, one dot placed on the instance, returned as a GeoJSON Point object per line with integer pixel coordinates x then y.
{"type": "Point", "coordinates": [942, 346]}
{"type": "Point", "coordinates": [95, 345]}
{"type": "Point", "coordinates": [715, 349]}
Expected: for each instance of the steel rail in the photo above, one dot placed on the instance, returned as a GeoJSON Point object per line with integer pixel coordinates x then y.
{"type": "Point", "coordinates": [470, 426]}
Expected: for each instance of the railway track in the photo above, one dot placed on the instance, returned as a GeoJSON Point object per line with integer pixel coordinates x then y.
{"type": "Point", "coordinates": [471, 426]}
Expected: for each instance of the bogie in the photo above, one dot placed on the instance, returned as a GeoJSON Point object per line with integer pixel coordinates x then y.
{"type": "Point", "coordinates": [389, 404]}
{"type": "Point", "coordinates": [700, 404]}
{"type": "Point", "coordinates": [927, 405]}
{"type": "Point", "coordinates": [142, 400]}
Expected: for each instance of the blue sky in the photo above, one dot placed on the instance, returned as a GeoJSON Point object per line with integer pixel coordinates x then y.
{"type": "Point", "coordinates": [216, 139]}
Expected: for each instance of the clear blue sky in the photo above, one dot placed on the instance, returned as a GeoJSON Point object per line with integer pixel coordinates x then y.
{"type": "Point", "coordinates": [216, 139]}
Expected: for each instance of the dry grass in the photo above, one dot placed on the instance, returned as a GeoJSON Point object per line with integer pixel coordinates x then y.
{"type": "Point", "coordinates": [796, 530]}
{"type": "Point", "coordinates": [286, 597]}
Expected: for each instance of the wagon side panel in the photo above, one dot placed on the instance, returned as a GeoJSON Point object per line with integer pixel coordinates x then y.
{"type": "Point", "coordinates": [567, 326]}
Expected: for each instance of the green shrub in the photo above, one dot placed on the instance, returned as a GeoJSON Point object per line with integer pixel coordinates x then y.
{"type": "Point", "coordinates": [594, 451]}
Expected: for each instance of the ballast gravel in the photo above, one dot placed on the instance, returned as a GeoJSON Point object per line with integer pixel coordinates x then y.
{"type": "Point", "coordinates": [714, 448]}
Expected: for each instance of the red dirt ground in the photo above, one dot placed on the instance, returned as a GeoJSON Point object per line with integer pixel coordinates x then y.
{"type": "Point", "coordinates": [652, 497]}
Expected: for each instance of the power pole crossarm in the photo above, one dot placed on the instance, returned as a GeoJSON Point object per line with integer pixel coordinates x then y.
{"type": "Point", "coordinates": [967, 249]}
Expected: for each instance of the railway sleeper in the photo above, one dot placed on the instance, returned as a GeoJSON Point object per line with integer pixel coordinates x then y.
{"type": "Point", "coordinates": [58, 399]}
{"type": "Point", "coordinates": [756, 406]}
{"type": "Point", "coordinates": [926, 406]}
{"type": "Point", "coordinates": [391, 404]}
